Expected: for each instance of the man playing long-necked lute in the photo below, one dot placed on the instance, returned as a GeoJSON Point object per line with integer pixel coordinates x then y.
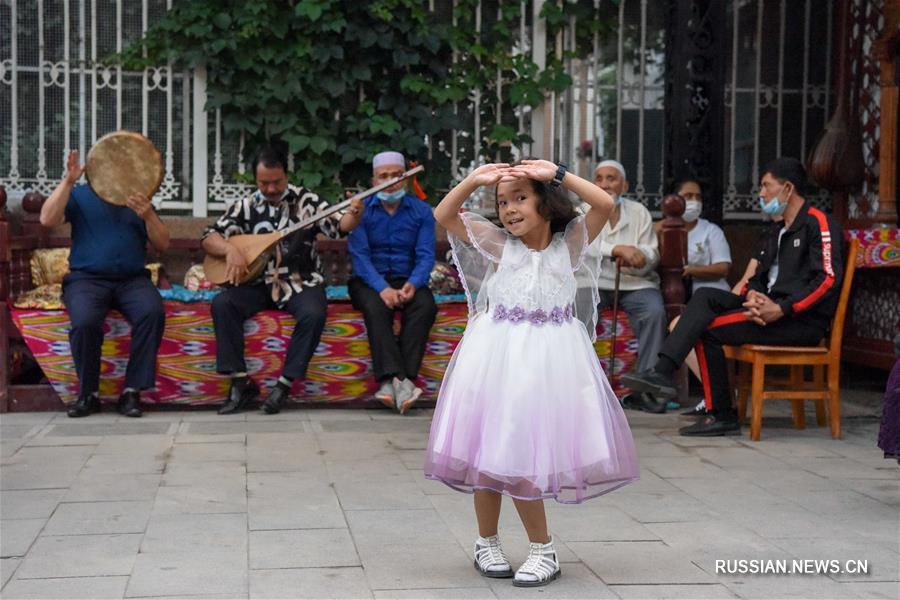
{"type": "Point", "coordinates": [291, 281]}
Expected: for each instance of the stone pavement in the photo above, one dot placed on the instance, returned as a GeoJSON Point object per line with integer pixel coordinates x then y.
{"type": "Point", "coordinates": [326, 503]}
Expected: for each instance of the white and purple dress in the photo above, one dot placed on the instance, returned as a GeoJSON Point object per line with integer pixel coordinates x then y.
{"type": "Point", "coordinates": [524, 408]}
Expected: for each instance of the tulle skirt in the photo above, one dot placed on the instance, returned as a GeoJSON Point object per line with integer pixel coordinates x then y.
{"type": "Point", "coordinates": [527, 411]}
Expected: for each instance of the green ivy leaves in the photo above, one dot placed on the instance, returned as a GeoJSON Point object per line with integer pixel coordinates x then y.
{"type": "Point", "coordinates": [339, 80]}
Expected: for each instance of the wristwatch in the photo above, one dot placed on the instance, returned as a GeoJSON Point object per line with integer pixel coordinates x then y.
{"type": "Point", "coordinates": [560, 173]}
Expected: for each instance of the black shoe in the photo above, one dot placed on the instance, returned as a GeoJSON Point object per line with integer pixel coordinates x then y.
{"type": "Point", "coordinates": [272, 403]}
{"type": "Point", "coordinates": [645, 402]}
{"type": "Point", "coordinates": [242, 392]}
{"type": "Point", "coordinates": [84, 406]}
{"type": "Point", "coordinates": [650, 381]}
{"type": "Point", "coordinates": [697, 411]}
{"type": "Point", "coordinates": [130, 404]}
{"type": "Point", "coordinates": [711, 426]}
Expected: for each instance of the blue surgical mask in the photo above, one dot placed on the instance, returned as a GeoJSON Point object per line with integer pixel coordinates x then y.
{"type": "Point", "coordinates": [773, 207]}
{"type": "Point", "coordinates": [617, 200]}
{"type": "Point", "coordinates": [391, 197]}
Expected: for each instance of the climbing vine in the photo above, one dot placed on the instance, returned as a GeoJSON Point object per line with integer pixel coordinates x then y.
{"type": "Point", "coordinates": [338, 80]}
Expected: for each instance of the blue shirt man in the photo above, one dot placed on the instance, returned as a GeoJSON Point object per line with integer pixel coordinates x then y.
{"type": "Point", "coordinates": [108, 241]}
{"type": "Point", "coordinates": [393, 253]}
{"type": "Point", "coordinates": [106, 271]}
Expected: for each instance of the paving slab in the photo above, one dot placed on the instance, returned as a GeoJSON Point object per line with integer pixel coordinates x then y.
{"type": "Point", "coordinates": [97, 486]}
{"type": "Point", "coordinates": [169, 534]}
{"type": "Point", "coordinates": [8, 567]}
{"type": "Point", "coordinates": [80, 556]}
{"type": "Point", "coordinates": [406, 566]}
{"type": "Point", "coordinates": [184, 573]}
{"type": "Point", "coordinates": [29, 504]}
{"type": "Point", "coordinates": [17, 535]}
{"type": "Point", "coordinates": [302, 548]}
{"type": "Point", "coordinates": [673, 592]}
{"type": "Point", "coordinates": [292, 501]}
{"type": "Point", "coordinates": [638, 562]}
{"type": "Point", "coordinates": [883, 561]}
{"type": "Point", "coordinates": [65, 588]}
{"type": "Point", "coordinates": [80, 518]}
{"type": "Point", "coordinates": [371, 528]}
{"type": "Point", "coordinates": [484, 593]}
{"type": "Point", "coordinates": [204, 498]}
{"type": "Point", "coordinates": [336, 583]}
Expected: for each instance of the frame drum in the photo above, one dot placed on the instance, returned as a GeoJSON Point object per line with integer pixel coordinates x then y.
{"type": "Point", "coordinates": [123, 163]}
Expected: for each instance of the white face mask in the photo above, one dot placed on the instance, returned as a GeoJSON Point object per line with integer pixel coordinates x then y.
{"type": "Point", "coordinates": [692, 209]}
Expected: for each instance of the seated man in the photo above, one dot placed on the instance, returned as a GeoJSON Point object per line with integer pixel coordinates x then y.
{"type": "Point", "coordinates": [789, 301]}
{"type": "Point", "coordinates": [292, 282]}
{"type": "Point", "coordinates": [393, 254]}
{"type": "Point", "coordinates": [106, 271]}
{"type": "Point", "coordinates": [628, 240]}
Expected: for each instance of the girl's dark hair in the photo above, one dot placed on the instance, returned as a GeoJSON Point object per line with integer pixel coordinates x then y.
{"type": "Point", "coordinates": [553, 204]}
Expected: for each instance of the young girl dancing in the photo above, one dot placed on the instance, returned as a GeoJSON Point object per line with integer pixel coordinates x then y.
{"type": "Point", "coordinates": [525, 409]}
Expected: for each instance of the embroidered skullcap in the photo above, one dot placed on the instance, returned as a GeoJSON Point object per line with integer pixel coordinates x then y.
{"type": "Point", "coordinates": [615, 165]}
{"type": "Point", "coordinates": [388, 158]}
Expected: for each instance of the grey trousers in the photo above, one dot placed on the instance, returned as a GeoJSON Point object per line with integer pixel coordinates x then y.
{"type": "Point", "coordinates": [647, 316]}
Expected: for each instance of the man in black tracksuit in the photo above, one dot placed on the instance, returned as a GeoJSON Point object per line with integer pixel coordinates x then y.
{"type": "Point", "coordinates": [790, 301]}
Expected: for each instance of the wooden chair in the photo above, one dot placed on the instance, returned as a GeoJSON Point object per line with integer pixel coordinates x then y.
{"type": "Point", "coordinates": [752, 360]}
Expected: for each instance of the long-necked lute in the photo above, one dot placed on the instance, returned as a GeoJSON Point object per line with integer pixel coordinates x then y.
{"type": "Point", "coordinates": [256, 247]}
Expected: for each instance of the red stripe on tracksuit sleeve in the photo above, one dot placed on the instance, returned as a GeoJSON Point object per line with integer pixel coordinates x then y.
{"type": "Point", "coordinates": [827, 267]}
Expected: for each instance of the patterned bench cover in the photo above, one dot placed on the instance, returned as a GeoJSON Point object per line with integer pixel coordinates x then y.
{"type": "Point", "coordinates": [341, 370]}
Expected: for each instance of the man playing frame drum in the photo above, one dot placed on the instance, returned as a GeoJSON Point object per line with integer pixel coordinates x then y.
{"type": "Point", "coordinates": [106, 264]}
{"type": "Point", "coordinates": [291, 281]}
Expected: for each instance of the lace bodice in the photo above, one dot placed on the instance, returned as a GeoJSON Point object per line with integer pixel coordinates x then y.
{"type": "Point", "coordinates": [532, 280]}
{"type": "Point", "coordinates": [505, 278]}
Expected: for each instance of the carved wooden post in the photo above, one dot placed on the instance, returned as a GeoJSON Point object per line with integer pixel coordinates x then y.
{"type": "Point", "coordinates": [5, 257]}
{"type": "Point", "coordinates": [31, 220]}
{"type": "Point", "coordinates": [672, 255]}
{"type": "Point", "coordinates": [672, 258]}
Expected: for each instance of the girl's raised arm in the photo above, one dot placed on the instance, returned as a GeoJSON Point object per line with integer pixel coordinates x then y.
{"type": "Point", "coordinates": [447, 211]}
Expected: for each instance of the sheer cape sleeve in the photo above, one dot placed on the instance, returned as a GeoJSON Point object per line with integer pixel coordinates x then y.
{"type": "Point", "coordinates": [477, 257]}
{"type": "Point", "coordinates": [586, 266]}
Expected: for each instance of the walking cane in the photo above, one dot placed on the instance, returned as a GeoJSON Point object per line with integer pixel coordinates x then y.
{"type": "Point", "coordinates": [615, 322]}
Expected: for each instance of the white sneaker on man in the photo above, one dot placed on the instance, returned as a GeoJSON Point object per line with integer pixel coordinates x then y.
{"type": "Point", "coordinates": [385, 394]}
{"type": "Point", "coordinates": [405, 394]}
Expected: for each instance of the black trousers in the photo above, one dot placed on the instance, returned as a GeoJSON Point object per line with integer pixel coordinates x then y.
{"type": "Point", "coordinates": [88, 302]}
{"type": "Point", "coordinates": [393, 357]}
{"type": "Point", "coordinates": [714, 318]}
{"type": "Point", "coordinates": [235, 305]}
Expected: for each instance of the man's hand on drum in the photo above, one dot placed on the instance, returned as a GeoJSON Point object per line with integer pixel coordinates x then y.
{"type": "Point", "coordinates": [140, 204]}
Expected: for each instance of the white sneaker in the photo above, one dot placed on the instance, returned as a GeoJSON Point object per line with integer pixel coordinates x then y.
{"type": "Point", "coordinates": [385, 394]}
{"type": "Point", "coordinates": [490, 560]}
{"type": "Point", "coordinates": [540, 568]}
{"type": "Point", "coordinates": [405, 394]}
